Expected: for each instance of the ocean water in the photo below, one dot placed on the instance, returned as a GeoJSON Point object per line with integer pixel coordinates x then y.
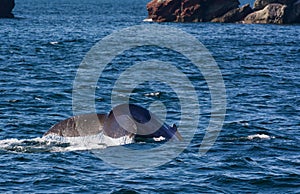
{"type": "Point", "coordinates": [256, 151]}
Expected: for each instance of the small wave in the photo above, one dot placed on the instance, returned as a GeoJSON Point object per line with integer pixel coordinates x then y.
{"type": "Point", "coordinates": [250, 137]}
{"type": "Point", "coordinates": [53, 42]}
{"type": "Point", "coordinates": [153, 94]}
{"type": "Point", "coordinates": [259, 136]}
{"type": "Point", "coordinates": [30, 145]}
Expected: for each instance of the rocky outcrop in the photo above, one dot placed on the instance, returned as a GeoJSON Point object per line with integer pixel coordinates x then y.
{"type": "Point", "coordinates": [282, 12]}
{"type": "Point", "coordinates": [226, 11]}
{"type": "Point", "coordinates": [189, 10]}
{"type": "Point", "coordinates": [261, 4]}
{"type": "Point", "coordinates": [293, 13]}
{"type": "Point", "coordinates": [290, 12]}
{"type": "Point", "coordinates": [235, 15]}
{"type": "Point", "coordinates": [6, 7]}
{"type": "Point", "coordinates": [271, 14]}
{"type": "Point", "coordinates": [163, 10]}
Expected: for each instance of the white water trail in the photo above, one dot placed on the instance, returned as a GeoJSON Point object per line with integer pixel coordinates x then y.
{"type": "Point", "coordinates": [54, 143]}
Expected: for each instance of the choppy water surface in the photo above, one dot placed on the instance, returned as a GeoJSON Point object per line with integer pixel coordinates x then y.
{"type": "Point", "coordinates": [40, 51]}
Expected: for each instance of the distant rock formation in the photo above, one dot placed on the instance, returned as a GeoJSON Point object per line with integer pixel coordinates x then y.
{"type": "Point", "coordinates": [225, 11]}
{"type": "Point", "coordinates": [6, 7]}
{"type": "Point", "coordinates": [189, 10]}
{"type": "Point", "coordinates": [275, 12]}
{"type": "Point", "coordinates": [261, 4]}
{"type": "Point", "coordinates": [272, 14]}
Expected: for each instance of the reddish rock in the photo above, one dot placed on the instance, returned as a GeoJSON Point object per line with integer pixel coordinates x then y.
{"type": "Point", "coordinates": [6, 7]}
{"type": "Point", "coordinates": [164, 10]}
{"type": "Point", "coordinates": [235, 15]}
{"type": "Point", "coordinates": [189, 10]}
{"type": "Point", "coordinates": [267, 11]}
{"type": "Point", "coordinates": [271, 14]}
{"type": "Point", "coordinates": [205, 10]}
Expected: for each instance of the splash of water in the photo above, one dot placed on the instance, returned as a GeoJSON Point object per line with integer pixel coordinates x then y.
{"type": "Point", "coordinates": [54, 143]}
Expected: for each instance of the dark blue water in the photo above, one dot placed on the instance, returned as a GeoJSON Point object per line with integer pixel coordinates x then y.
{"type": "Point", "coordinates": [257, 150]}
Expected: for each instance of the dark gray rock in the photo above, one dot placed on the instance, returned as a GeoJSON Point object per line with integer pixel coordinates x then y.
{"type": "Point", "coordinates": [217, 8]}
{"type": "Point", "coordinates": [6, 7]}
{"type": "Point", "coordinates": [261, 4]}
{"type": "Point", "coordinates": [235, 15]}
{"type": "Point", "coordinates": [293, 13]}
{"type": "Point", "coordinates": [271, 14]}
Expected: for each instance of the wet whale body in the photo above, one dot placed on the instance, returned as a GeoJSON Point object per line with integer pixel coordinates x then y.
{"type": "Point", "coordinates": [123, 120]}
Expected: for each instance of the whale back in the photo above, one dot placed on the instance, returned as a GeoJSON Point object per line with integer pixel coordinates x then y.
{"type": "Point", "coordinates": [123, 120]}
{"type": "Point", "coordinates": [80, 125]}
{"type": "Point", "coordinates": [117, 126]}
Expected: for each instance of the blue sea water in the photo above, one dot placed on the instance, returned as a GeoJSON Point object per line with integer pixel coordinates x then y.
{"type": "Point", "coordinates": [257, 150]}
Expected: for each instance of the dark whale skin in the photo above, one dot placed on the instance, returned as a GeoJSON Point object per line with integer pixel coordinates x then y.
{"type": "Point", "coordinates": [123, 120]}
{"type": "Point", "coordinates": [80, 125]}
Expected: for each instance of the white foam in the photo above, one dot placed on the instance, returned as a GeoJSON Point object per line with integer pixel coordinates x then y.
{"type": "Point", "coordinates": [25, 145]}
{"type": "Point", "coordinates": [55, 143]}
{"type": "Point", "coordinates": [161, 138]}
{"type": "Point", "coordinates": [6, 142]}
{"type": "Point", "coordinates": [99, 141]}
{"type": "Point", "coordinates": [259, 136]}
{"type": "Point", "coordinates": [148, 20]}
{"type": "Point", "coordinates": [153, 94]}
{"type": "Point", "coordinates": [54, 43]}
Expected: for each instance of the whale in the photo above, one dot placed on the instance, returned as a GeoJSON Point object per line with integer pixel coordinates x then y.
{"type": "Point", "coordinates": [129, 120]}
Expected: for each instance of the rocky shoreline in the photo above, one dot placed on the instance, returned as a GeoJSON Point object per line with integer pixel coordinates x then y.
{"type": "Point", "coordinates": [225, 11]}
{"type": "Point", "coordinates": [6, 7]}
